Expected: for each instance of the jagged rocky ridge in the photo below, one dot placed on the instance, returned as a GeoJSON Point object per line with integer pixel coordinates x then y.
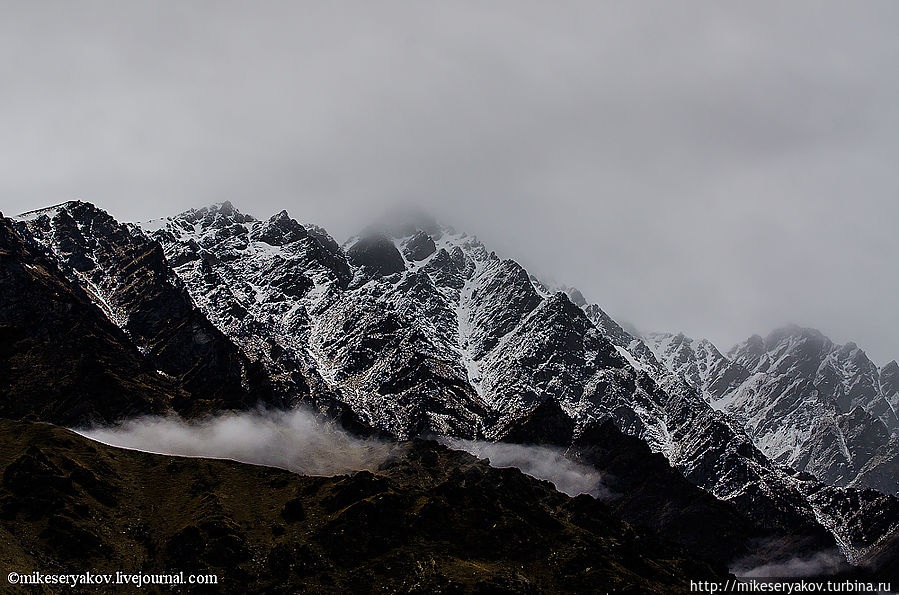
{"type": "Point", "coordinates": [818, 407]}
{"type": "Point", "coordinates": [457, 341]}
{"type": "Point", "coordinates": [127, 276]}
{"type": "Point", "coordinates": [453, 340]}
{"type": "Point", "coordinates": [61, 359]}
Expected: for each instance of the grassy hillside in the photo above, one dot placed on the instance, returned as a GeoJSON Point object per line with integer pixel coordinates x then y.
{"type": "Point", "coordinates": [429, 520]}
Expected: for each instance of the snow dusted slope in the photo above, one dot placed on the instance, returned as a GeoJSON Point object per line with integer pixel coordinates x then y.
{"type": "Point", "coordinates": [805, 402]}
{"type": "Point", "coordinates": [699, 363]}
{"type": "Point", "coordinates": [258, 281]}
{"type": "Point", "coordinates": [889, 384]}
{"type": "Point", "coordinates": [416, 328]}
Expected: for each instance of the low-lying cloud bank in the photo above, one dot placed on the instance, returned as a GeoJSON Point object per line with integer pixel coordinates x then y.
{"type": "Point", "coordinates": [294, 440]}
{"type": "Point", "coordinates": [299, 441]}
{"type": "Point", "coordinates": [541, 462]}
{"type": "Point", "coordinates": [817, 564]}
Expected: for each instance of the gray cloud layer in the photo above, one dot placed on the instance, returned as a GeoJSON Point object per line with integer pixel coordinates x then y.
{"type": "Point", "coordinates": [712, 167]}
{"type": "Point", "coordinates": [298, 441]}
{"type": "Point", "coordinates": [542, 462]}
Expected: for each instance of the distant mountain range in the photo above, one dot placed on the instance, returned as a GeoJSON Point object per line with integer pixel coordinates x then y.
{"type": "Point", "coordinates": [783, 448]}
{"type": "Point", "coordinates": [805, 402]}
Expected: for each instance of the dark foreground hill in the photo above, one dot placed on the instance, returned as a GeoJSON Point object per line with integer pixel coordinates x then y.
{"type": "Point", "coordinates": [428, 520]}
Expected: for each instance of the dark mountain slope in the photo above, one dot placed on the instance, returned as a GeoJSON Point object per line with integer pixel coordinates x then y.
{"type": "Point", "coordinates": [128, 277]}
{"type": "Point", "coordinates": [645, 491]}
{"type": "Point", "coordinates": [429, 520]}
{"type": "Point", "coordinates": [61, 360]}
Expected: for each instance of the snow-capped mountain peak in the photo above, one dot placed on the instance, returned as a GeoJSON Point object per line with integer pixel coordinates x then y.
{"type": "Point", "coordinates": [415, 328]}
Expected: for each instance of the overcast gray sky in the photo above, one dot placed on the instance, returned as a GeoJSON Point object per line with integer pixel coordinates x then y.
{"type": "Point", "coordinates": [714, 167]}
